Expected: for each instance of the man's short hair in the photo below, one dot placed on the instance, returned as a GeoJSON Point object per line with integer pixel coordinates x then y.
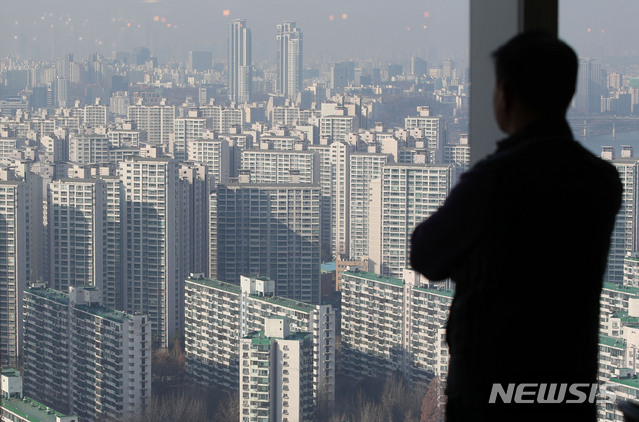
{"type": "Point", "coordinates": [539, 69]}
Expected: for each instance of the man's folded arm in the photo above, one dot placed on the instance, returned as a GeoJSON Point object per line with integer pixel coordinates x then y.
{"type": "Point", "coordinates": [438, 242]}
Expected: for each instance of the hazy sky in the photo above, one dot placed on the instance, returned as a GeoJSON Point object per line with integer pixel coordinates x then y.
{"type": "Point", "coordinates": [333, 29]}
{"type": "Point", "coordinates": [336, 28]}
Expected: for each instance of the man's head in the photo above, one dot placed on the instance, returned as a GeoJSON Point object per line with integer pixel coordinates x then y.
{"type": "Point", "coordinates": [537, 73]}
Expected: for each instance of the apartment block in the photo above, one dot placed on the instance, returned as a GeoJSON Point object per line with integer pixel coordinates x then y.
{"type": "Point", "coordinates": [95, 115]}
{"type": "Point", "coordinates": [393, 325]}
{"type": "Point", "coordinates": [281, 166]}
{"type": "Point", "coordinates": [624, 236]}
{"type": "Point", "coordinates": [185, 131]}
{"type": "Point", "coordinates": [404, 196]}
{"type": "Point", "coordinates": [215, 153]}
{"type": "Point", "coordinates": [154, 275]}
{"type": "Point", "coordinates": [276, 374]}
{"type": "Point", "coordinates": [83, 358]}
{"type": "Point", "coordinates": [77, 211]}
{"type": "Point", "coordinates": [157, 121]}
{"type": "Point", "coordinates": [268, 229]}
{"type": "Point", "coordinates": [222, 119]}
{"type": "Point", "coordinates": [21, 255]}
{"type": "Point", "coordinates": [89, 149]}
{"type": "Point", "coordinates": [219, 314]}
{"type": "Point", "coordinates": [430, 124]}
{"type": "Point", "coordinates": [364, 167]}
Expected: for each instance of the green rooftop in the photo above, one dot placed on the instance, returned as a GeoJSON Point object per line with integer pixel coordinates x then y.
{"type": "Point", "coordinates": [612, 342]}
{"type": "Point", "coordinates": [258, 337]}
{"type": "Point", "coordinates": [31, 410]}
{"type": "Point", "coordinates": [441, 292]}
{"type": "Point", "coordinates": [106, 313]}
{"type": "Point", "coordinates": [288, 303]}
{"type": "Point", "coordinates": [625, 318]}
{"type": "Point", "coordinates": [216, 284]}
{"type": "Point", "coordinates": [630, 382]}
{"type": "Point", "coordinates": [375, 277]}
{"type": "Point", "coordinates": [236, 289]}
{"type": "Point", "coordinates": [621, 288]}
{"type": "Point", "coordinates": [10, 372]}
{"type": "Point", "coordinates": [53, 295]}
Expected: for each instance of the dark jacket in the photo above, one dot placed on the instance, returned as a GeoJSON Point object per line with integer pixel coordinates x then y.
{"type": "Point", "coordinates": [525, 236]}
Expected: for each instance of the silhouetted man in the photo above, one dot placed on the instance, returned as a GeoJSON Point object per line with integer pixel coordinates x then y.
{"type": "Point", "coordinates": [525, 236]}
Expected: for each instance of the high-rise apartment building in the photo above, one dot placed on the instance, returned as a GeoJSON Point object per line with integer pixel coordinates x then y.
{"type": "Point", "coordinates": [430, 124]}
{"type": "Point", "coordinates": [219, 314]}
{"type": "Point", "coordinates": [340, 196]}
{"type": "Point", "coordinates": [157, 121]}
{"type": "Point", "coordinates": [393, 325]}
{"type": "Point", "coordinates": [624, 234]}
{"type": "Point", "coordinates": [21, 253]}
{"type": "Point", "coordinates": [77, 210]}
{"type": "Point", "coordinates": [277, 166]}
{"type": "Point", "coordinates": [199, 60]}
{"type": "Point", "coordinates": [223, 118]}
{"type": "Point", "coordinates": [364, 167]}
{"type": "Point", "coordinates": [240, 72]}
{"type": "Point", "coordinates": [590, 86]}
{"type": "Point", "coordinates": [269, 229]}
{"type": "Point", "coordinates": [95, 115]}
{"type": "Point", "coordinates": [194, 221]}
{"type": "Point", "coordinates": [215, 154]}
{"type": "Point", "coordinates": [326, 212]}
{"type": "Point", "coordinates": [153, 273]}
{"type": "Point", "coordinates": [185, 131]}
{"type": "Point", "coordinates": [89, 149]}
{"type": "Point", "coordinates": [276, 374]}
{"type": "Point", "coordinates": [336, 128]}
{"type": "Point", "coordinates": [82, 357]}
{"type": "Point", "coordinates": [114, 242]}
{"type": "Point", "coordinates": [404, 196]}
{"type": "Point", "coordinates": [289, 59]}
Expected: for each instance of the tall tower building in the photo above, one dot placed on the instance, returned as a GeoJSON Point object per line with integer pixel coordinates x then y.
{"type": "Point", "coordinates": [239, 62]}
{"type": "Point", "coordinates": [289, 59]}
{"type": "Point", "coordinates": [76, 221]}
{"type": "Point", "coordinates": [154, 275]}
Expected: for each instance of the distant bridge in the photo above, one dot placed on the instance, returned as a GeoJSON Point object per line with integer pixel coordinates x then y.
{"type": "Point", "coordinates": [600, 125]}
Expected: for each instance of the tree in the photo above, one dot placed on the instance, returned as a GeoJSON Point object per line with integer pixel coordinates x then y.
{"type": "Point", "coordinates": [434, 403]}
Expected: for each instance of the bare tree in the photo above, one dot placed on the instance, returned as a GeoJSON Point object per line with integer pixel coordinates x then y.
{"type": "Point", "coordinates": [228, 409]}
{"type": "Point", "coordinates": [433, 405]}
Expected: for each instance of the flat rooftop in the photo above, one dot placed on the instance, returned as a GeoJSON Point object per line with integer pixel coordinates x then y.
{"type": "Point", "coordinates": [375, 277]}
{"type": "Point", "coordinates": [31, 410]}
